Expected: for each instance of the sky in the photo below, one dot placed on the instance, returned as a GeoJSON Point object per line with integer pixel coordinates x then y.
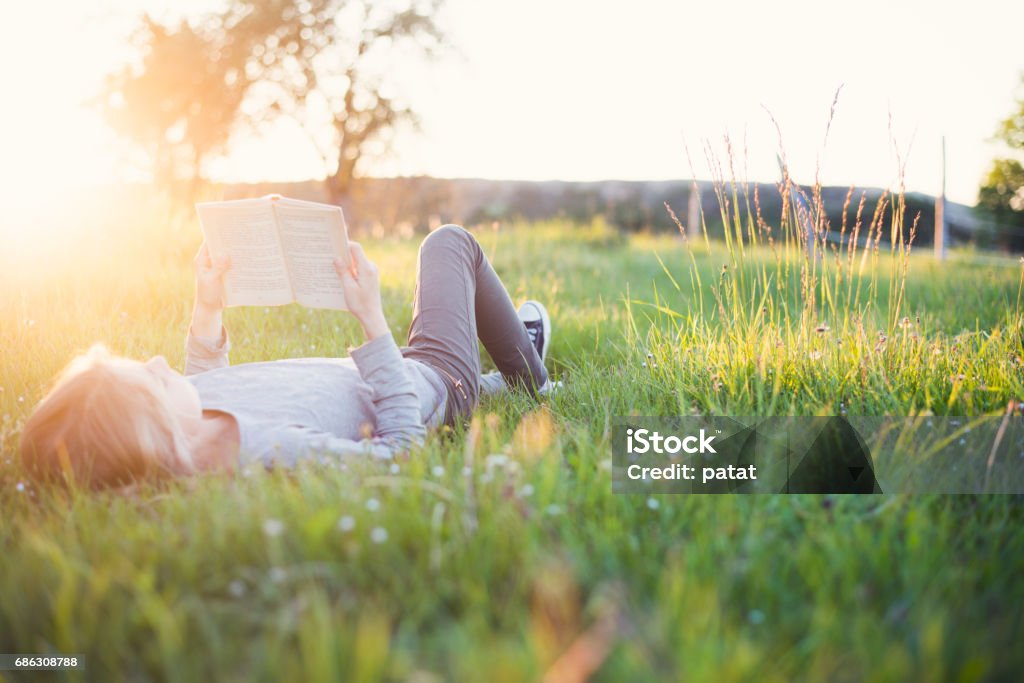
{"type": "Point", "coordinates": [585, 90]}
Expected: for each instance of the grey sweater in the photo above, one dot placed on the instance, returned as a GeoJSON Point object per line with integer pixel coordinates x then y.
{"type": "Point", "coordinates": [373, 404]}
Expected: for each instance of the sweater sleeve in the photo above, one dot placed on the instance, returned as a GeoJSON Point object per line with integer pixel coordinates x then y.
{"type": "Point", "coordinates": [399, 423]}
{"type": "Point", "coordinates": [206, 353]}
{"type": "Point", "coordinates": [395, 401]}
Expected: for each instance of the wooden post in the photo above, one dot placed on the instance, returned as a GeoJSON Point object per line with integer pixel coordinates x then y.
{"type": "Point", "coordinates": [693, 227]}
{"type": "Point", "coordinates": [940, 212]}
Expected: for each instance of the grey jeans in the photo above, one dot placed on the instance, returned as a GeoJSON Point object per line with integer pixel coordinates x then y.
{"type": "Point", "coordinates": [458, 299]}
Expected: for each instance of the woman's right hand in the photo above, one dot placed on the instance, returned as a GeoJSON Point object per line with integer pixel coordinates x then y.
{"type": "Point", "coordinates": [209, 304]}
{"type": "Point", "coordinates": [361, 282]}
{"type": "Point", "coordinates": [210, 279]}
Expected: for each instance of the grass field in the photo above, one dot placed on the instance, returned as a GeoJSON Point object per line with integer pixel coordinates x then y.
{"type": "Point", "coordinates": [499, 552]}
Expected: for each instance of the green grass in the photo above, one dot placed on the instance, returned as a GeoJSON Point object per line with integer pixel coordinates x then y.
{"type": "Point", "coordinates": [505, 544]}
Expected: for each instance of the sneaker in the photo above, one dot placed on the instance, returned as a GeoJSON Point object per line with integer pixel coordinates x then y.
{"type": "Point", "coordinates": [550, 388]}
{"type": "Point", "coordinates": [538, 326]}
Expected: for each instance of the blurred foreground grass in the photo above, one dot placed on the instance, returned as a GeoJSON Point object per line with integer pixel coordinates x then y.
{"type": "Point", "coordinates": [499, 552]}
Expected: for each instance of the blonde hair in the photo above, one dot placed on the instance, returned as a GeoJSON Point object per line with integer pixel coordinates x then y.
{"type": "Point", "coordinates": [105, 423]}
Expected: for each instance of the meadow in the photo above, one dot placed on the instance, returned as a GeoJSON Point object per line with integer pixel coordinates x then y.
{"type": "Point", "coordinates": [498, 551]}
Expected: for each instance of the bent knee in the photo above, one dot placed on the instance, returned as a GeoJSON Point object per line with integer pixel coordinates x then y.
{"type": "Point", "coordinates": [449, 234]}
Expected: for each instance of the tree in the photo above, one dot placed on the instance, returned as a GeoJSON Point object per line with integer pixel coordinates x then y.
{"type": "Point", "coordinates": [1001, 195]}
{"type": "Point", "coordinates": [326, 63]}
{"type": "Point", "coordinates": [179, 101]}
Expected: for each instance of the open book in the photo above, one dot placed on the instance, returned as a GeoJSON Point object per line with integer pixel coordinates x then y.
{"type": "Point", "coordinates": [282, 250]}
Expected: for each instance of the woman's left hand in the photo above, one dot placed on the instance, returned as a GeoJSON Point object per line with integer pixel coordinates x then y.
{"type": "Point", "coordinates": [210, 279]}
{"type": "Point", "coordinates": [361, 282]}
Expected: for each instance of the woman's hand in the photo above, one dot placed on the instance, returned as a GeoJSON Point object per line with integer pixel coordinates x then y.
{"type": "Point", "coordinates": [361, 283]}
{"type": "Point", "coordinates": [209, 303]}
{"type": "Point", "coordinates": [209, 279]}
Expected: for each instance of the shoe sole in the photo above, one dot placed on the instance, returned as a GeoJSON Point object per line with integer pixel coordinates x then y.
{"type": "Point", "coordinates": [545, 323]}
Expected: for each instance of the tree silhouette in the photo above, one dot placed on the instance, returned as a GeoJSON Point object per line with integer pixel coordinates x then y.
{"type": "Point", "coordinates": [179, 100]}
{"type": "Point", "coordinates": [325, 63]}
{"type": "Point", "coordinates": [1001, 194]}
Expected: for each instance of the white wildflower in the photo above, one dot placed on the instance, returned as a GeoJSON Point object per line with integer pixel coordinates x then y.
{"type": "Point", "coordinates": [496, 460]}
{"type": "Point", "coordinates": [273, 527]}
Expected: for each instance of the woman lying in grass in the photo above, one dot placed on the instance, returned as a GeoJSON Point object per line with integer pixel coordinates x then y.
{"type": "Point", "coordinates": [112, 421]}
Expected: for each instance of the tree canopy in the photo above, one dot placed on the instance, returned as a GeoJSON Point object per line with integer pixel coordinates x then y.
{"type": "Point", "coordinates": [325, 63]}
{"type": "Point", "coordinates": [1001, 195]}
{"type": "Point", "coordinates": [178, 102]}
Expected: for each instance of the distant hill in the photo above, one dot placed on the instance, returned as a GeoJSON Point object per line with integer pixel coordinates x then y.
{"type": "Point", "coordinates": [412, 204]}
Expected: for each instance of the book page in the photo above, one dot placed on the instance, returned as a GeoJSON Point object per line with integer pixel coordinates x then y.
{"type": "Point", "coordinates": [246, 232]}
{"type": "Point", "coordinates": [312, 235]}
